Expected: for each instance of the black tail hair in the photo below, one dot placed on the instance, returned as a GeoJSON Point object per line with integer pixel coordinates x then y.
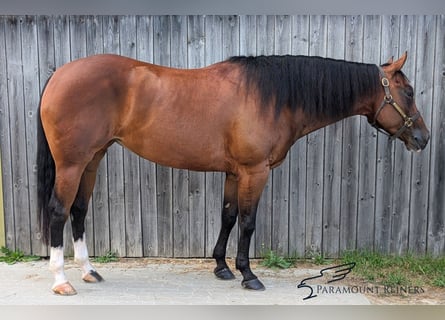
{"type": "Point", "coordinates": [46, 172]}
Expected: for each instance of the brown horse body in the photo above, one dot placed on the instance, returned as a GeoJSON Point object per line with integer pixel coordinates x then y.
{"type": "Point", "coordinates": [209, 119]}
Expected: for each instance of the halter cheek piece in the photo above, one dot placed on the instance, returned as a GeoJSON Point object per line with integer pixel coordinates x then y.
{"type": "Point", "coordinates": [388, 99]}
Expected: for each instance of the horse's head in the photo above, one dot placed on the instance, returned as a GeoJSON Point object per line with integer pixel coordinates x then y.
{"type": "Point", "coordinates": [397, 113]}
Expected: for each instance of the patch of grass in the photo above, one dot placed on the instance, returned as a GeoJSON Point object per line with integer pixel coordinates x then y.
{"type": "Point", "coordinates": [439, 281]}
{"type": "Point", "coordinates": [396, 278]}
{"type": "Point", "coordinates": [107, 257]}
{"type": "Point", "coordinates": [406, 270]}
{"type": "Point", "coordinates": [14, 256]}
{"type": "Point", "coordinates": [272, 260]}
{"type": "Point", "coordinates": [317, 257]}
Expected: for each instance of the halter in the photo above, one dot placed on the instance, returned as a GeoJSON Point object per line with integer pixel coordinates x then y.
{"type": "Point", "coordinates": [388, 99]}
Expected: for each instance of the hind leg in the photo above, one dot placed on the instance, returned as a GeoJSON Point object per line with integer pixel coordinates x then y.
{"type": "Point", "coordinates": [78, 214]}
{"type": "Point", "coordinates": [65, 189]}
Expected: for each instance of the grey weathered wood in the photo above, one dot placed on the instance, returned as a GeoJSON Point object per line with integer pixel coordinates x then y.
{"type": "Point", "coordinates": [436, 216]}
{"type": "Point", "coordinates": [333, 151]}
{"type": "Point", "coordinates": [385, 149]}
{"type": "Point", "coordinates": [368, 147]}
{"type": "Point", "coordinates": [315, 152]}
{"type": "Point", "coordinates": [20, 180]}
{"type": "Point", "coordinates": [297, 157]}
{"type": "Point", "coordinates": [5, 139]}
{"type": "Point", "coordinates": [264, 36]}
{"type": "Point", "coordinates": [351, 147]}
{"type": "Point", "coordinates": [342, 187]}
{"type": "Point", "coordinates": [426, 35]}
{"type": "Point", "coordinates": [31, 90]}
{"type": "Point", "coordinates": [402, 159]}
{"type": "Point", "coordinates": [280, 175]}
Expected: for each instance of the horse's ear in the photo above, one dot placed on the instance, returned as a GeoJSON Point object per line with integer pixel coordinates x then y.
{"type": "Point", "coordinates": [390, 60]}
{"type": "Point", "coordinates": [398, 64]}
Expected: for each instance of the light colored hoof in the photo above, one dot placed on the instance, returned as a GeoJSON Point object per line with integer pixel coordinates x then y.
{"type": "Point", "coordinates": [92, 277]}
{"type": "Point", "coordinates": [65, 289]}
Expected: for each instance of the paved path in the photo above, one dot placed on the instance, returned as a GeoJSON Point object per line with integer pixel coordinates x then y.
{"type": "Point", "coordinates": [161, 282]}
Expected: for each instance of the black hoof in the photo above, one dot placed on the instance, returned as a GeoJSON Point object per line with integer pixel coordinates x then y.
{"type": "Point", "coordinates": [253, 284]}
{"type": "Point", "coordinates": [93, 277]}
{"type": "Point", "coordinates": [224, 274]}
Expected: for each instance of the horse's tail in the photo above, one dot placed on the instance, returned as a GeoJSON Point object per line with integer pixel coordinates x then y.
{"type": "Point", "coordinates": [46, 172]}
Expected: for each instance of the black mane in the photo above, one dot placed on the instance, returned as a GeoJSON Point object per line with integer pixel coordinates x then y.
{"type": "Point", "coordinates": [322, 87]}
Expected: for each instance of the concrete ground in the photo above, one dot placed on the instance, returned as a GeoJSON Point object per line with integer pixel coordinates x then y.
{"type": "Point", "coordinates": [165, 282]}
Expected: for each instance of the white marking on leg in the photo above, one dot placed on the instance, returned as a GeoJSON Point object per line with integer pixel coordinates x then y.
{"type": "Point", "coordinates": [81, 255]}
{"type": "Point", "coordinates": [56, 265]}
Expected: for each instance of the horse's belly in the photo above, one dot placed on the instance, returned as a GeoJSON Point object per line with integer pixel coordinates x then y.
{"type": "Point", "coordinates": [192, 154]}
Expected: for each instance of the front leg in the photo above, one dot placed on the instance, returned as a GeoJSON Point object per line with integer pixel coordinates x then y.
{"type": "Point", "coordinates": [228, 220]}
{"type": "Point", "coordinates": [250, 187]}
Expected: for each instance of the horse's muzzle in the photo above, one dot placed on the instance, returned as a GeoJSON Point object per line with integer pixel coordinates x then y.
{"type": "Point", "coordinates": [418, 140]}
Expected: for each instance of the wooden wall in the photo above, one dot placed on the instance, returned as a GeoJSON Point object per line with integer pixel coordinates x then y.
{"type": "Point", "coordinates": [342, 187]}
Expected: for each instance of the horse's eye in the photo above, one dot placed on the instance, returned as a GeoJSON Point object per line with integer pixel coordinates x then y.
{"type": "Point", "coordinates": [409, 92]}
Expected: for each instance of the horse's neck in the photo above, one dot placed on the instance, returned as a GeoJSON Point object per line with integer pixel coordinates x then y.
{"type": "Point", "coordinates": [305, 125]}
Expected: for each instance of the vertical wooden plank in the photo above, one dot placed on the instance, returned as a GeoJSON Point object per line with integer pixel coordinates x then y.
{"type": "Point", "coordinates": [99, 209]}
{"type": "Point", "coordinates": [436, 212]}
{"type": "Point", "coordinates": [333, 154]}
{"type": "Point", "coordinates": [133, 224]}
{"type": "Point", "coordinates": [78, 44]}
{"type": "Point", "coordinates": [248, 35]}
{"type": "Point", "coordinates": [162, 54]}
{"type": "Point", "coordinates": [385, 148]}
{"type": "Point", "coordinates": [402, 158]}
{"type": "Point", "coordinates": [230, 48]}
{"type": "Point", "coordinates": [116, 191]}
{"type": "Point", "coordinates": [297, 157]}
{"type": "Point", "coordinates": [315, 153]}
{"type": "Point", "coordinates": [181, 210]}
{"type": "Point", "coordinates": [195, 53]}
{"type": "Point", "coordinates": [351, 146]}
{"type": "Point", "coordinates": [426, 36]}
{"type": "Point", "coordinates": [213, 180]}
{"type": "Point", "coordinates": [280, 175]}
{"type": "Point", "coordinates": [2, 212]}
{"type": "Point", "coordinates": [31, 99]}
{"type": "Point", "coordinates": [368, 147]}
{"type": "Point", "coordinates": [265, 42]}
{"type": "Point", "coordinates": [5, 194]}
{"type": "Point", "coordinates": [332, 151]}
{"type": "Point", "coordinates": [16, 98]}
{"type": "Point", "coordinates": [147, 168]}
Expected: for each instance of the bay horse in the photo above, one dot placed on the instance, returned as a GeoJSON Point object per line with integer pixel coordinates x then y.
{"type": "Point", "coordinates": [239, 116]}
